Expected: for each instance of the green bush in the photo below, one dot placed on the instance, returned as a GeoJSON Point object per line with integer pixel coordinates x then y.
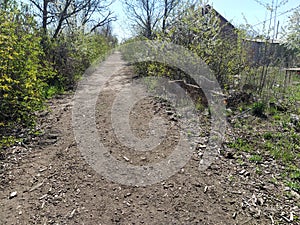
{"type": "Point", "coordinates": [22, 72]}
{"type": "Point", "coordinates": [258, 109]}
{"type": "Point", "coordinates": [71, 55]}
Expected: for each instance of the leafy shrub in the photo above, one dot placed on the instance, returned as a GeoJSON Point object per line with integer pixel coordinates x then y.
{"type": "Point", "coordinates": [258, 109]}
{"type": "Point", "coordinates": [22, 71]}
{"type": "Point", "coordinates": [72, 54]}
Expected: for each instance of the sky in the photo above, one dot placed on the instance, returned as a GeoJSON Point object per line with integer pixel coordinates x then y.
{"type": "Point", "coordinates": [235, 11]}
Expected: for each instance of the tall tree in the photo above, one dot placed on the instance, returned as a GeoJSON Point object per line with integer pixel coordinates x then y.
{"type": "Point", "coordinates": [168, 7]}
{"type": "Point", "coordinates": [150, 15]}
{"type": "Point", "coordinates": [57, 15]}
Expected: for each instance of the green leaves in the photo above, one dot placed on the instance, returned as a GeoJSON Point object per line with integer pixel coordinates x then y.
{"type": "Point", "coordinates": [21, 73]}
{"type": "Point", "coordinates": [293, 36]}
{"type": "Point", "coordinates": [34, 67]}
{"type": "Point", "coordinates": [201, 30]}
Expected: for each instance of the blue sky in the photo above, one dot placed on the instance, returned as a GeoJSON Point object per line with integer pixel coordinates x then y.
{"type": "Point", "coordinates": [233, 10]}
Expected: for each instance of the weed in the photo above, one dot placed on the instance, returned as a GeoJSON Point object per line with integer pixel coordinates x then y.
{"type": "Point", "coordinates": [240, 161]}
{"type": "Point", "coordinates": [258, 109]}
{"type": "Point", "coordinates": [231, 178]}
{"type": "Point", "coordinates": [274, 180]}
{"type": "Point", "coordinates": [199, 107]}
{"type": "Point", "coordinates": [276, 117]}
{"type": "Point", "coordinates": [258, 170]}
{"type": "Point", "coordinates": [255, 158]}
{"type": "Point", "coordinates": [268, 135]}
{"type": "Point", "coordinates": [240, 145]}
{"type": "Point", "coordinates": [293, 185]}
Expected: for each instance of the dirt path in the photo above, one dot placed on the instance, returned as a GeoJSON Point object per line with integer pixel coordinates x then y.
{"type": "Point", "coordinates": [55, 185]}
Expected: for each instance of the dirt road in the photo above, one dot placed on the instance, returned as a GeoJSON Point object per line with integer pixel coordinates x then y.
{"type": "Point", "coordinates": [48, 181]}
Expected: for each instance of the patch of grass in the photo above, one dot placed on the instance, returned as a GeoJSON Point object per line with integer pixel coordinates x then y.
{"type": "Point", "coordinates": [292, 177]}
{"type": "Point", "coordinates": [271, 135]}
{"type": "Point", "coordinates": [268, 145]}
{"type": "Point", "coordinates": [272, 111]}
{"type": "Point", "coordinates": [286, 155]}
{"type": "Point", "coordinates": [274, 136]}
{"type": "Point", "coordinates": [276, 117]}
{"type": "Point", "coordinates": [293, 185]}
{"type": "Point", "coordinates": [256, 158]}
{"type": "Point", "coordinates": [295, 175]}
{"type": "Point", "coordinates": [240, 144]}
{"type": "Point", "coordinates": [240, 161]}
{"type": "Point", "coordinates": [268, 135]}
{"type": "Point", "coordinates": [282, 146]}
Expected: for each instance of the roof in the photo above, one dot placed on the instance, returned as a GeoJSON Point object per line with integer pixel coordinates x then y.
{"type": "Point", "coordinates": [209, 7]}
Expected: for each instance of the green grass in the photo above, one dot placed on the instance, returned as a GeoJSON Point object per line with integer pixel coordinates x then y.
{"type": "Point", "coordinates": [273, 136]}
{"type": "Point", "coordinates": [241, 145]}
{"type": "Point", "coordinates": [256, 158]}
{"type": "Point", "coordinates": [293, 185]}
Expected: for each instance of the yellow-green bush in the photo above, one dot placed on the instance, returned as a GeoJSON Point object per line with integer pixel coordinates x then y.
{"type": "Point", "coordinates": [21, 70]}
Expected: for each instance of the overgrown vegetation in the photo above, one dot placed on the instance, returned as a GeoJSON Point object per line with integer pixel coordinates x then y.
{"type": "Point", "coordinates": [23, 70]}
{"type": "Point", "coordinates": [37, 61]}
{"type": "Point", "coordinates": [262, 97]}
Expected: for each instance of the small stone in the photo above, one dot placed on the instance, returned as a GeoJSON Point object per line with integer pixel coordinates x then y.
{"type": "Point", "coordinates": [291, 217]}
{"type": "Point", "coordinates": [13, 194]}
{"type": "Point", "coordinates": [173, 118]}
{"type": "Point", "coordinates": [72, 213]}
{"type": "Point", "coordinates": [201, 146]}
{"type": "Point", "coordinates": [205, 189]}
{"type": "Point", "coordinates": [260, 201]}
{"type": "Point", "coordinates": [169, 112]}
{"type": "Point", "coordinates": [242, 172]}
{"type": "Point", "coordinates": [126, 159]}
{"type": "Point", "coordinates": [234, 215]}
{"type": "Point", "coordinates": [286, 189]}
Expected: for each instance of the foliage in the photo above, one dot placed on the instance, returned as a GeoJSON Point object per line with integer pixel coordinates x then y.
{"type": "Point", "coordinates": [72, 54]}
{"type": "Point", "coordinates": [22, 69]}
{"type": "Point", "coordinates": [258, 109]}
{"type": "Point", "coordinates": [150, 16]}
{"type": "Point", "coordinates": [256, 158]}
{"type": "Point", "coordinates": [293, 36]}
{"type": "Point", "coordinates": [34, 67]}
{"type": "Point", "coordinates": [199, 29]}
{"type": "Point", "coordinates": [68, 15]}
